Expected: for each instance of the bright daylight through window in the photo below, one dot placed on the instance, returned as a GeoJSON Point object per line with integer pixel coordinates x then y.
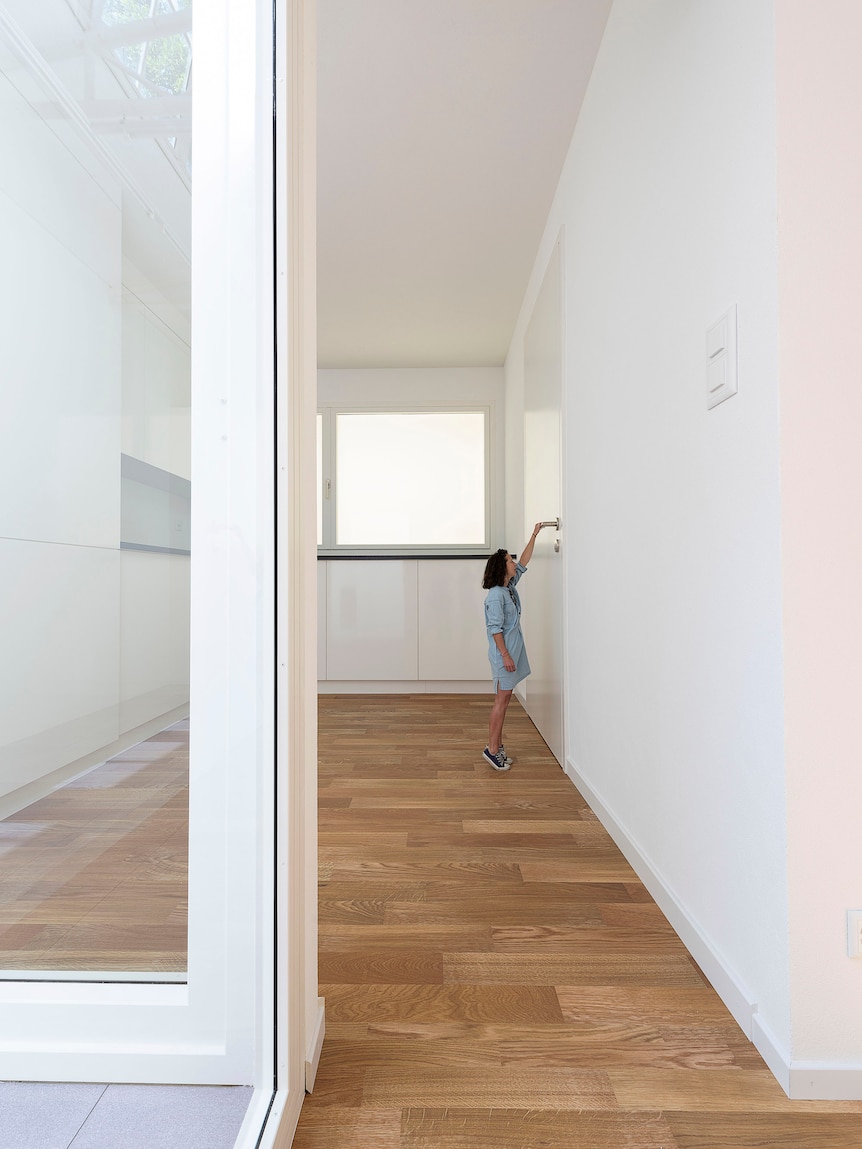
{"type": "Point", "coordinates": [404, 479]}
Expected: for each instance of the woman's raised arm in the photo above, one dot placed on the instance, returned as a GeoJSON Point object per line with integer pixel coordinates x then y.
{"type": "Point", "coordinates": [527, 552]}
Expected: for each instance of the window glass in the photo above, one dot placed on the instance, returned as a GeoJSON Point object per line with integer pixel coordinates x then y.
{"type": "Point", "coordinates": [95, 441]}
{"type": "Point", "coordinates": [410, 478]}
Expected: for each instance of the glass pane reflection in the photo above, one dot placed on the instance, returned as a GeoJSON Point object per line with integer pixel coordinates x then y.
{"type": "Point", "coordinates": [95, 154]}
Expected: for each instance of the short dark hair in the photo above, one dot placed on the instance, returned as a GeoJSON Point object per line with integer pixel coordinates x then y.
{"type": "Point", "coordinates": [495, 569]}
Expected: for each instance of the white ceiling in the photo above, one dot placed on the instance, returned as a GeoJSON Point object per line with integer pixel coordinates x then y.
{"type": "Point", "coordinates": [442, 130]}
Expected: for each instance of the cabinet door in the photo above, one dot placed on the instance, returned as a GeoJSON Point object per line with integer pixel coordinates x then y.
{"type": "Point", "coordinates": [321, 620]}
{"type": "Point", "coordinates": [371, 620]}
{"type": "Point", "coordinates": [452, 641]}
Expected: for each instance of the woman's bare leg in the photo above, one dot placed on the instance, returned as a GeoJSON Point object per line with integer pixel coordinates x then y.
{"type": "Point", "coordinates": [498, 715]}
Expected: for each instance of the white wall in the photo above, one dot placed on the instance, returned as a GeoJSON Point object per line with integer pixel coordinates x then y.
{"type": "Point", "coordinates": [154, 636]}
{"type": "Point", "coordinates": [156, 428]}
{"type": "Point", "coordinates": [60, 308]}
{"type": "Point", "coordinates": [156, 372]}
{"type": "Point", "coordinates": [671, 512]}
{"type": "Point", "coordinates": [60, 234]}
{"type": "Point", "coordinates": [820, 294]}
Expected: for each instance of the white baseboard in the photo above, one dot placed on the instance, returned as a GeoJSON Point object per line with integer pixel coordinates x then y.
{"type": "Point", "coordinates": [483, 686]}
{"type": "Point", "coordinates": [773, 1052]}
{"type": "Point", "coordinates": [825, 1081]}
{"type": "Point", "coordinates": [315, 1046]}
{"type": "Point", "coordinates": [800, 1080]}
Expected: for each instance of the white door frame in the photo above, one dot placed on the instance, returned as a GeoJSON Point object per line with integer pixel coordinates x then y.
{"type": "Point", "coordinates": [546, 538]}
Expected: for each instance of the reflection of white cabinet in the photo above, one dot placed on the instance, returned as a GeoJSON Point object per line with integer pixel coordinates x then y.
{"type": "Point", "coordinates": [371, 620]}
{"type": "Point", "coordinates": [394, 621]}
{"type": "Point", "coordinates": [452, 642]}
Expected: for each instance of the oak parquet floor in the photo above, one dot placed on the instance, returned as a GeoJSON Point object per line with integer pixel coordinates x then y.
{"type": "Point", "coordinates": [95, 875]}
{"type": "Point", "coordinates": [496, 977]}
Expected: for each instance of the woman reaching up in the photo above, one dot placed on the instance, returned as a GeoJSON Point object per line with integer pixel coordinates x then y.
{"type": "Point", "coordinates": [506, 651]}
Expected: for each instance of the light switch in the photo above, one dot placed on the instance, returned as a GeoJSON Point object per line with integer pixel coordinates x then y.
{"type": "Point", "coordinates": [716, 375]}
{"type": "Point", "coordinates": [721, 362]}
{"type": "Point", "coordinates": [716, 339]}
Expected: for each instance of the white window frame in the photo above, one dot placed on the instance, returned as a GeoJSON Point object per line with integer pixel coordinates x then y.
{"type": "Point", "coordinates": [330, 411]}
{"type": "Point", "coordinates": [217, 1028]}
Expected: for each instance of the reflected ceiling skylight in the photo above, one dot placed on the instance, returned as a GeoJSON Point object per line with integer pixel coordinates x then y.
{"type": "Point", "coordinates": [148, 46]}
{"type": "Point", "coordinates": [154, 56]}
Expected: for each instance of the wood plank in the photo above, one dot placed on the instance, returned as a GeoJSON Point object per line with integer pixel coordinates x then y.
{"type": "Point", "coordinates": [458, 1128]}
{"type": "Point", "coordinates": [577, 939]}
{"type": "Point", "coordinates": [441, 1003]}
{"type": "Point", "coordinates": [494, 912]}
{"type": "Point", "coordinates": [423, 936]}
{"type": "Point", "coordinates": [391, 966]}
{"type": "Point", "coordinates": [759, 1131]}
{"type": "Point", "coordinates": [715, 1091]}
{"type": "Point", "coordinates": [584, 833]}
{"type": "Point", "coordinates": [678, 1005]}
{"type": "Point", "coordinates": [570, 970]}
{"type": "Point", "coordinates": [402, 1084]}
{"type": "Point", "coordinates": [350, 1128]}
{"type": "Point", "coordinates": [587, 867]}
{"type": "Point", "coordinates": [425, 867]}
{"type": "Point", "coordinates": [515, 1047]}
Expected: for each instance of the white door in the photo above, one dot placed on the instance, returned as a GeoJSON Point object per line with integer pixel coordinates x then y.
{"type": "Point", "coordinates": [543, 615]}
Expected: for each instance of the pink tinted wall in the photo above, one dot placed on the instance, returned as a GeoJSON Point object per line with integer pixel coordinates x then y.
{"type": "Point", "coordinates": [819, 131]}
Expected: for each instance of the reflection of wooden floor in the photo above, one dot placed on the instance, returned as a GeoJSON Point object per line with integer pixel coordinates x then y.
{"type": "Point", "coordinates": [94, 877]}
{"type": "Point", "coordinates": [495, 975]}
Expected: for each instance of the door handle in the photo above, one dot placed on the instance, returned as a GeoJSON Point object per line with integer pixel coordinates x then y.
{"type": "Point", "coordinates": [555, 523]}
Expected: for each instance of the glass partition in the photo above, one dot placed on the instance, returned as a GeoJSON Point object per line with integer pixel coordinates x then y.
{"type": "Point", "coordinates": [95, 199]}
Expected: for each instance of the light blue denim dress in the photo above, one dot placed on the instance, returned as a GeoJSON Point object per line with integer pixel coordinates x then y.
{"type": "Point", "coordinates": [503, 616]}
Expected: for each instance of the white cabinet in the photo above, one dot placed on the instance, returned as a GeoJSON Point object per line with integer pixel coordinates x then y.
{"type": "Point", "coordinates": [411, 621]}
{"type": "Point", "coordinates": [371, 620]}
{"type": "Point", "coordinates": [452, 641]}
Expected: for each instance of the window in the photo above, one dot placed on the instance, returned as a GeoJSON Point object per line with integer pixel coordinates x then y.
{"type": "Point", "coordinates": [403, 481]}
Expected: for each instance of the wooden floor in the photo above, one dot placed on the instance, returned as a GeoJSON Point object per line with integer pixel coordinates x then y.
{"type": "Point", "coordinates": [95, 876]}
{"type": "Point", "coordinates": [495, 975]}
